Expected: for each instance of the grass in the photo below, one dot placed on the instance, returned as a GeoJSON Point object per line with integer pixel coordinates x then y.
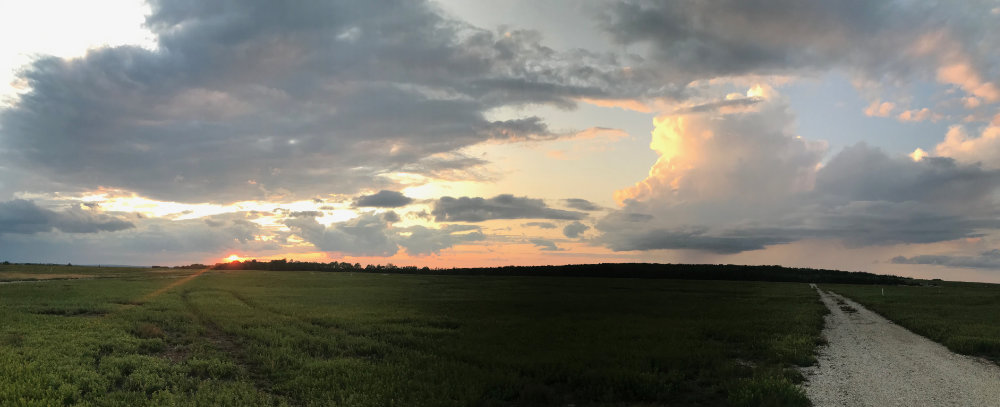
{"type": "Point", "coordinates": [41, 272]}
{"type": "Point", "coordinates": [961, 316]}
{"type": "Point", "coordinates": [298, 338]}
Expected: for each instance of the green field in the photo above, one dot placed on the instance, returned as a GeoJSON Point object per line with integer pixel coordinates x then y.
{"type": "Point", "coordinates": [965, 317]}
{"type": "Point", "coordinates": [135, 337]}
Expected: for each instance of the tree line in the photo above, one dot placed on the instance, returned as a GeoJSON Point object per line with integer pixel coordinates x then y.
{"type": "Point", "coordinates": [733, 272]}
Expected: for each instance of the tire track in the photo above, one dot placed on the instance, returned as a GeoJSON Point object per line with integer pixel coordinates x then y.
{"type": "Point", "coordinates": [227, 343]}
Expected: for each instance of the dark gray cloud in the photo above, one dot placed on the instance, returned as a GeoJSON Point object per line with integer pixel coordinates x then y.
{"type": "Point", "coordinates": [366, 235]}
{"type": "Point", "coordinates": [691, 239]}
{"type": "Point", "coordinates": [985, 260]}
{"type": "Point", "coordinates": [383, 199]}
{"type": "Point", "coordinates": [391, 217]}
{"type": "Point", "coordinates": [864, 173]}
{"type": "Point", "coordinates": [705, 39]}
{"type": "Point", "coordinates": [25, 217]}
{"type": "Point", "coordinates": [466, 209]}
{"type": "Point", "coordinates": [575, 229]}
{"type": "Point", "coordinates": [581, 204]}
{"type": "Point", "coordinates": [150, 241]}
{"type": "Point", "coordinates": [545, 245]}
{"type": "Point", "coordinates": [542, 225]}
{"type": "Point", "coordinates": [720, 104]}
{"type": "Point", "coordinates": [862, 197]}
{"type": "Point", "coordinates": [259, 100]}
{"type": "Point", "coordinates": [735, 37]}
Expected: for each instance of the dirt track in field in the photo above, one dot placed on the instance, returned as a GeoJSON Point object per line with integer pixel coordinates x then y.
{"type": "Point", "coordinates": [870, 361]}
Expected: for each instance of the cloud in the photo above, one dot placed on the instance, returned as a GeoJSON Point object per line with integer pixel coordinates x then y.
{"type": "Point", "coordinates": [985, 260]}
{"type": "Point", "coordinates": [966, 77]}
{"type": "Point", "coordinates": [366, 235]}
{"type": "Point", "coordinates": [575, 229]}
{"type": "Point", "coordinates": [543, 225]}
{"type": "Point", "coordinates": [383, 199]}
{"type": "Point", "coordinates": [25, 217]}
{"type": "Point", "coordinates": [751, 155]}
{"type": "Point", "coordinates": [545, 245]}
{"type": "Point", "coordinates": [257, 100]}
{"type": "Point", "coordinates": [728, 183]}
{"type": "Point", "coordinates": [420, 240]}
{"type": "Point", "coordinates": [877, 109]}
{"type": "Point", "coordinates": [881, 42]}
{"type": "Point", "coordinates": [983, 150]}
{"type": "Point", "coordinates": [305, 214]}
{"type": "Point", "coordinates": [725, 105]}
{"type": "Point", "coordinates": [581, 204]}
{"type": "Point", "coordinates": [372, 234]}
{"type": "Point", "coordinates": [423, 214]}
{"type": "Point", "coordinates": [150, 241]}
{"type": "Point", "coordinates": [918, 115]}
{"type": "Point", "coordinates": [391, 217]}
{"type": "Point", "coordinates": [466, 209]}
{"type": "Point", "coordinates": [691, 239]}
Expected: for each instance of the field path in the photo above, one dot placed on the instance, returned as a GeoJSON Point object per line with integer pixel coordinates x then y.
{"type": "Point", "coordinates": [870, 361]}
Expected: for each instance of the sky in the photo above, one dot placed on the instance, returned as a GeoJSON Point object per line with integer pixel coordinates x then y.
{"type": "Point", "coordinates": [853, 135]}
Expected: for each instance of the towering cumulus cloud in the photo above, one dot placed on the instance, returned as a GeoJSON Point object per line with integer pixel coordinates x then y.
{"type": "Point", "coordinates": [745, 150]}
{"type": "Point", "coordinates": [741, 180]}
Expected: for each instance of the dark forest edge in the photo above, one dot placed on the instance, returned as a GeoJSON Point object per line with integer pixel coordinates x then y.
{"type": "Point", "coordinates": [607, 270]}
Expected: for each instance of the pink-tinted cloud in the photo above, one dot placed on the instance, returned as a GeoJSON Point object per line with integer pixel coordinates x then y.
{"type": "Point", "coordinates": [983, 149]}
{"type": "Point", "coordinates": [877, 109]}
{"type": "Point", "coordinates": [920, 115]}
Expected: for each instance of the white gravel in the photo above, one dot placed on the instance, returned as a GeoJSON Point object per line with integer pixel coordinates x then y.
{"type": "Point", "coordinates": [870, 361]}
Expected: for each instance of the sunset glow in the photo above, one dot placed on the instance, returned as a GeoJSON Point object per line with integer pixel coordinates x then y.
{"type": "Point", "coordinates": [467, 133]}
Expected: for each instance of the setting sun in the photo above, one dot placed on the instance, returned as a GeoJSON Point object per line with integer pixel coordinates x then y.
{"type": "Point", "coordinates": [233, 257]}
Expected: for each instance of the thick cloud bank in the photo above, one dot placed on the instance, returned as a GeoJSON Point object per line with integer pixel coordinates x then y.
{"type": "Point", "coordinates": [880, 41]}
{"type": "Point", "coordinates": [985, 260]}
{"type": "Point", "coordinates": [466, 209]}
{"type": "Point", "coordinates": [263, 100]}
{"type": "Point", "coordinates": [25, 217]}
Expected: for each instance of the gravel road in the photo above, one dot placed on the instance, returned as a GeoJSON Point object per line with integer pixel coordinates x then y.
{"type": "Point", "coordinates": [870, 361]}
